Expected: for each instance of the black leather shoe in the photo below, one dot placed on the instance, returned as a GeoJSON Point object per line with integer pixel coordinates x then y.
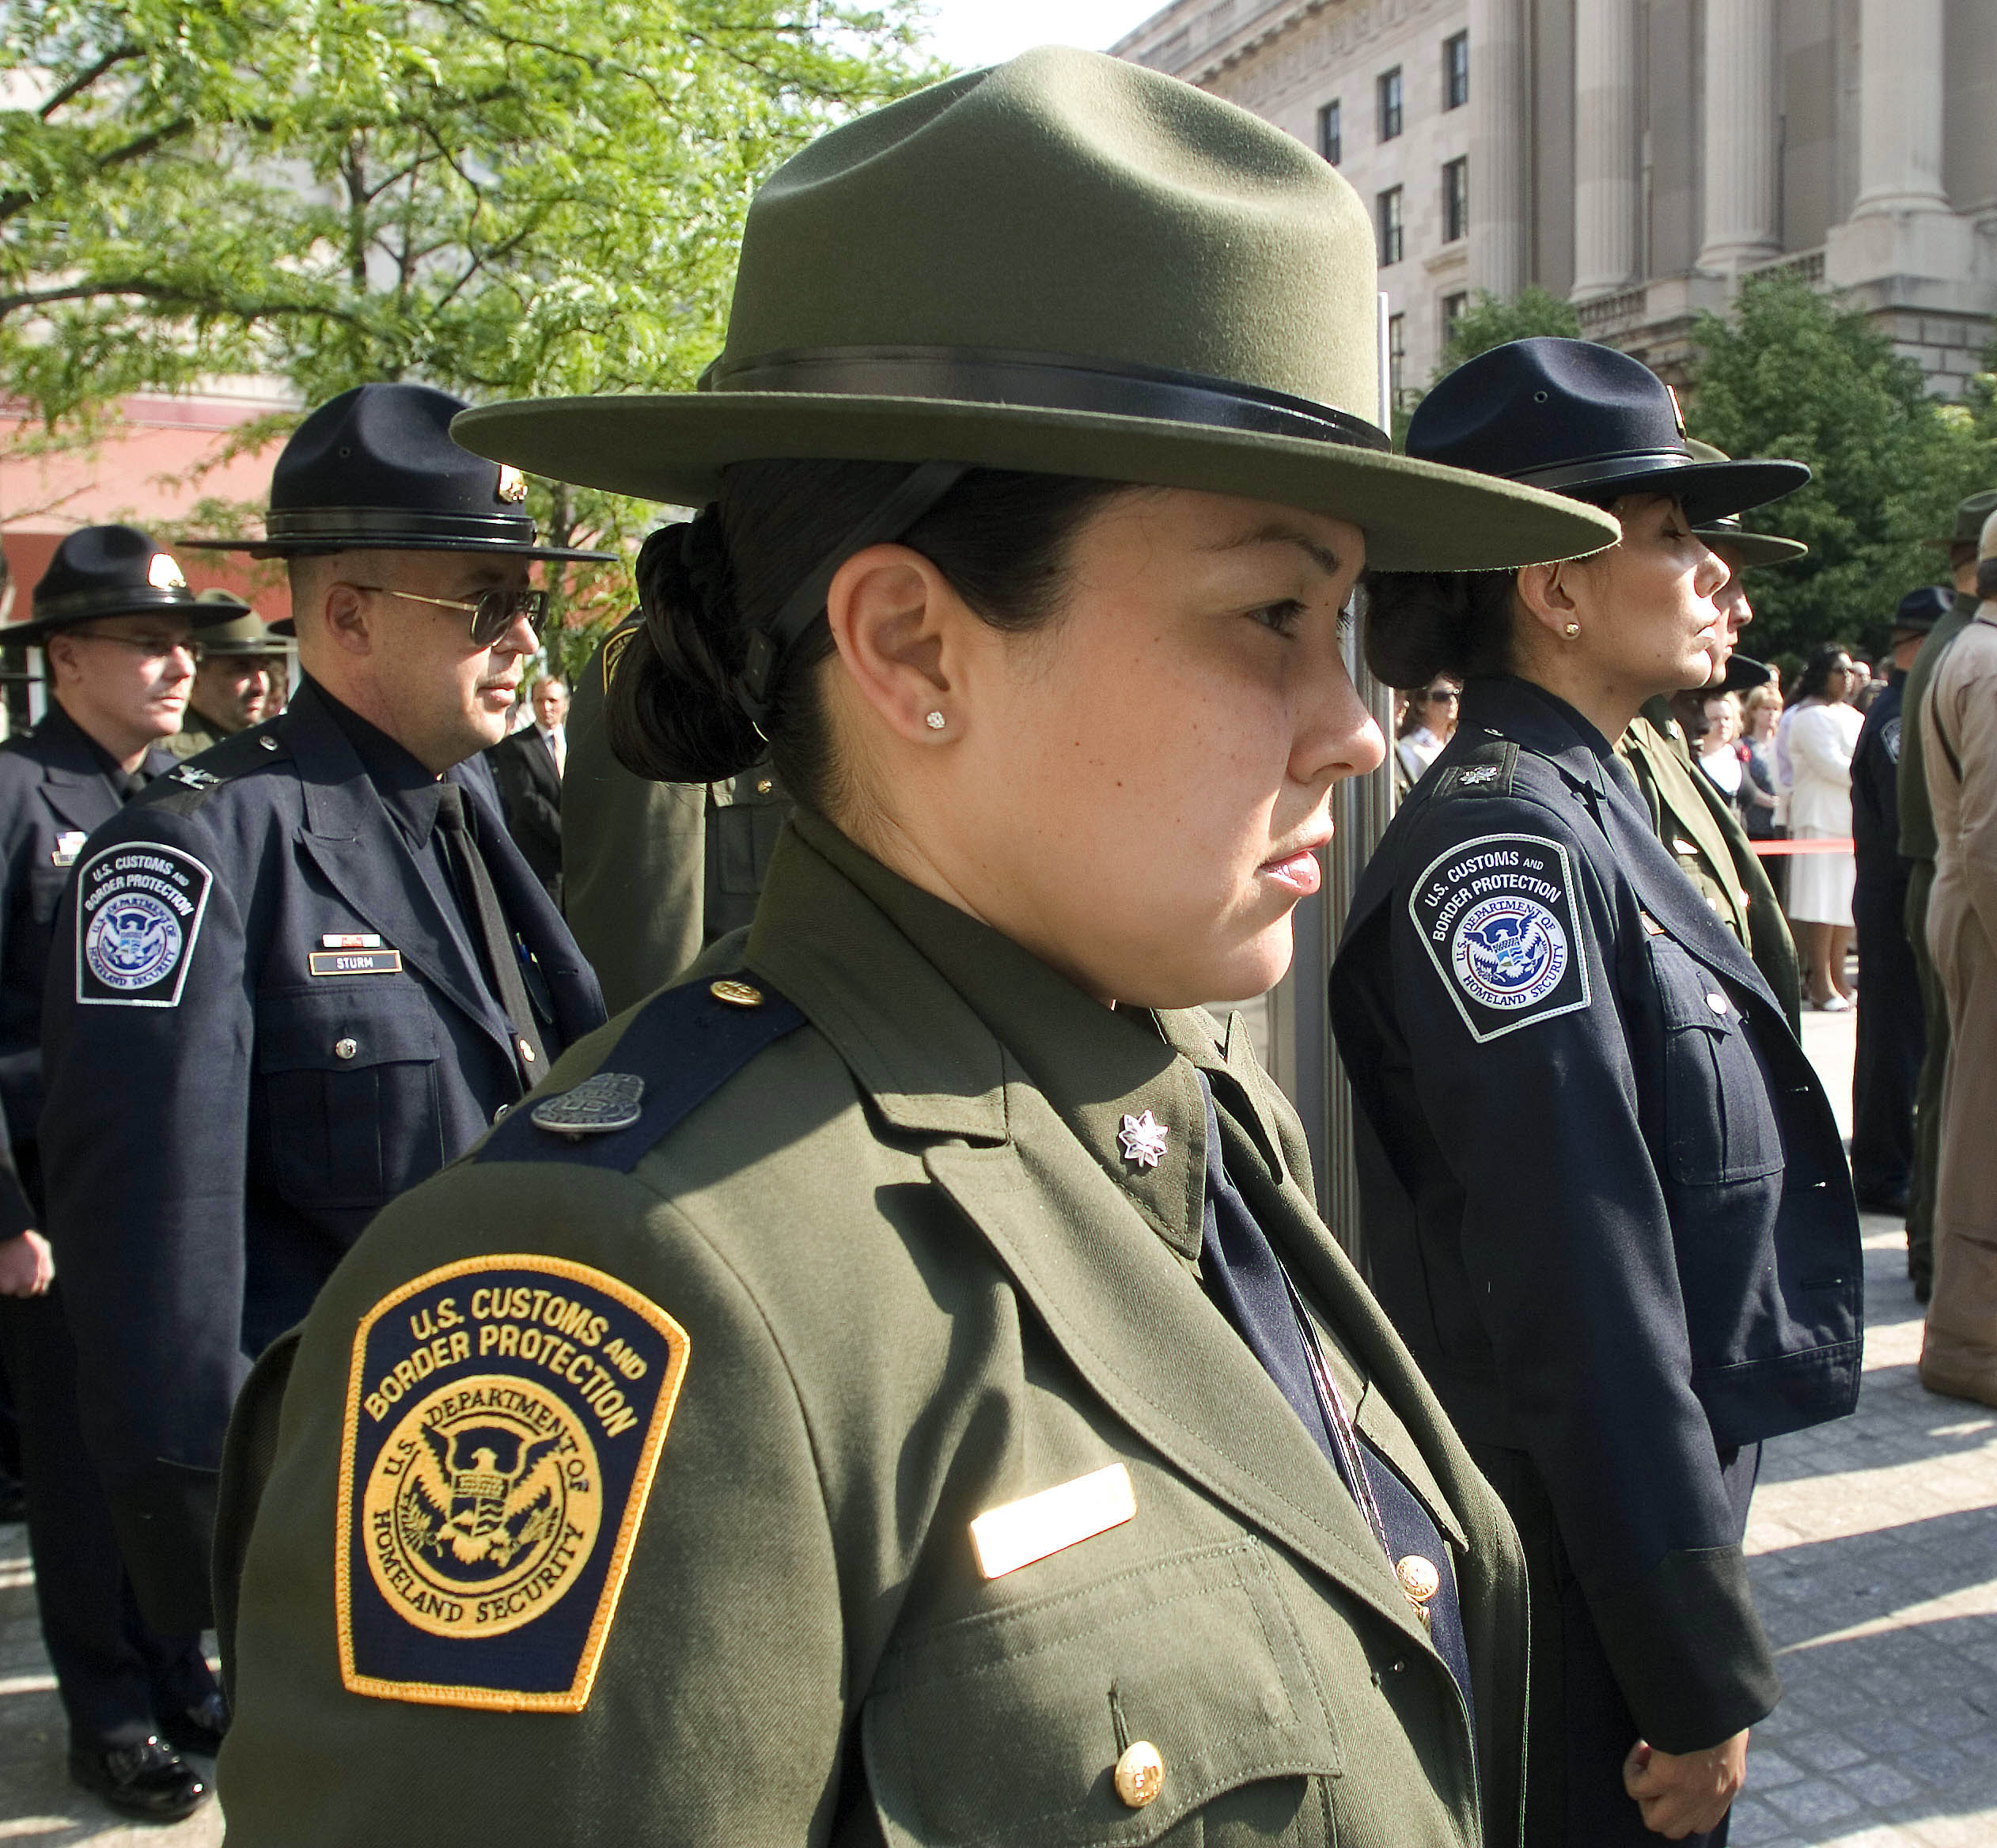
{"type": "Point", "coordinates": [198, 1728]}
{"type": "Point", "coordinates": [147, 1781]}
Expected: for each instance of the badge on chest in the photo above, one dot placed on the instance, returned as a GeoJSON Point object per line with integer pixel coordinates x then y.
{"type": "Point", "coordinates": [1498, 918]}
{"type": "Point", "coordinates": [354, 952]}
{"type": "Point", "coordinates": [504, 1419]}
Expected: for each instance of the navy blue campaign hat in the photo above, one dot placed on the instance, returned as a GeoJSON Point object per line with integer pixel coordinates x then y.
{"type": "Point", "coordinates": [375, 470]}
{"type": "Point", "coordinates": [104, 571]}
{"type": "Point", "coordinates": [1920, 610]}
{"type": "Point", "coordinates": [1584, 421]}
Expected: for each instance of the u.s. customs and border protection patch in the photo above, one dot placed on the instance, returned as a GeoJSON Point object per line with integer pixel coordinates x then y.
{"type": "Point", "coordinates": [1499, 918]}
{"type": "Point", "coordinates": [504, 1419]}
{"type": "Point", "coordinates": [138, 912]}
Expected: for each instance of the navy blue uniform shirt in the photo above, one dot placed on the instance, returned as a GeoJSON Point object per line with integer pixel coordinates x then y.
{"type": "Point", "coordinates": [265, 1019]}
{"type": "Point", "coordinates": [57, 783]}
{"type": "Point", "coordinates": [1606, 1200]}
{"type": "Point", "coordinates": [1875, 791]}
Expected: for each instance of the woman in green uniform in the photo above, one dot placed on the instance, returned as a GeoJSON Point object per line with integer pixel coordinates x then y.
{"type": "Point", "coordinates": [895, 1386]}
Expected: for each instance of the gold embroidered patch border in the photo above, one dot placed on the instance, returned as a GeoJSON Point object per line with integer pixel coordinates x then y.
{"type": "Point", "coordinates": [489, 1499]}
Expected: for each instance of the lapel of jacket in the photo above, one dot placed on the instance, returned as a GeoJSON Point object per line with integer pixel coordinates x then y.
{"type": "Point", "coordinates": [1685, 802]}
{"type": "Point", "coordinates": [1130, 1319]}
{"type": "Point", "coordinates": [73, 783]}
{"type": "Point", "coordinates": [354, 843]}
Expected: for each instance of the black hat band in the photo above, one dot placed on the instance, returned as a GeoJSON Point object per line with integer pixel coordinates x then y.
{"type": "Point", "coordinates": [1631, 464]}
{"type": "Point", "coordinates": [1045, 381]}
{"type": "Point", "coordinates": [79, 606]}
{"type": "Point", "coordinates": [334, 525]}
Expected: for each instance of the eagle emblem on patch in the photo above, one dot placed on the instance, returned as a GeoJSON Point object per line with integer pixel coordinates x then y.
{"type": "Point", "coordinates": [138, 912]}
{"type": "Point", "coordinates": [1498, 918]}
{"type": "Point", "coordinates": [505, 1417]}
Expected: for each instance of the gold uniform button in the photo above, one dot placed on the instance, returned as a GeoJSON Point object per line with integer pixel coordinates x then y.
{"type": "Point", "coordinates": [1420, 1580]}
{"type": "Point", "coordinates": [735, 993]}
{"type": "Point", "coordinates": [763, 785]}
{"type": "Point", "coordinates": [346, 1048]}
{"type": "Point", "coordinates": [1140, 1775]}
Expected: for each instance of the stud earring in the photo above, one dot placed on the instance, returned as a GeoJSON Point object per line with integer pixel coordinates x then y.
{"type": "Point", "coordinates": [935, 721]}
{"type": "Point", "coordinates": [1571, 630]}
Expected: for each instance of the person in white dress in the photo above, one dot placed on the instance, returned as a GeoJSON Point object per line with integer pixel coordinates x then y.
{"type": "Point", "coordinates": [1430, 724]}
{"type": "Point", "coordinates": [1823, 731]}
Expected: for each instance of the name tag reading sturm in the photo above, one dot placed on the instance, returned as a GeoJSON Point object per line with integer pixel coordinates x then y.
{"type": "Point", "coordinates": [356, 962]}
{"type": "Point", "coordinates": [1021, 1531]}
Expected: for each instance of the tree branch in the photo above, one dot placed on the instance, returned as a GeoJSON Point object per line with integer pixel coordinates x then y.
{"type": "Point", "coordinates": [78, 84]}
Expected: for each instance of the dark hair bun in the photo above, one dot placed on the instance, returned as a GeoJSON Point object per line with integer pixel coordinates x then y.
{"type": "Point", "coordinates": [671, 711]}
{"type": "Point", "coordinates": [1422, 623]}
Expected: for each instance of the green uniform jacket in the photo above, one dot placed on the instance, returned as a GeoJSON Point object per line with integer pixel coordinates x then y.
{"type": "Point", "coordinates": [1917, 839]}
{"type": "Point", "coordinates": [1706, 838]}
{"type": "Point", "coordinates": [652, 871]}
{"type": "Point", "coordinates": [196, 734]}
{"type": "Point", "coordinates": [912, 1289]}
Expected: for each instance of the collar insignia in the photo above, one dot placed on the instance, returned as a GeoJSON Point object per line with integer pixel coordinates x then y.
{"type": "Point", "coordinates": [1143, 1139]}
{"type": "Point", "coordinates": [599, 1106]}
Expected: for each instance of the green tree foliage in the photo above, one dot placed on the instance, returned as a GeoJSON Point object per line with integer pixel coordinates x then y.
{"type": "Point", "coordinates": [499, 197]}
{"type": "Point", "coordinates": [1488, 322]}
{"type": "Point", "coordinates": [1792, 373]}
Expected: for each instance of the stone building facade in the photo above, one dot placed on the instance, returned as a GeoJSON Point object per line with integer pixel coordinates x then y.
{"type": "Point", "coordinates": [1638, 156]}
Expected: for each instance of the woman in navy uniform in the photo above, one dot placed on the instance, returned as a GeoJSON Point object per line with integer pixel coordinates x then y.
{"type": "Point", "coordinates": [1606, 1205]}
{"type": "Point", "coordinates": [990, 1443]}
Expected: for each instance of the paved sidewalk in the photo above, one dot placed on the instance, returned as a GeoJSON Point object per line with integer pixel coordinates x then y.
{"type": "Point", "coordinates": [1874, 1545]}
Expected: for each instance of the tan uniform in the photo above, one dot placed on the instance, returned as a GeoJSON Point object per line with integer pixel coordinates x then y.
{"type": "Point", "coordinates": [1959, 735]}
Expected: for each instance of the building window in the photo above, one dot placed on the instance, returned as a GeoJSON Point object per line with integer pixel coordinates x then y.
{"type": "Point", "coordinates": [1331, 132]}
{"type": "Point", "coordinates": [1452, 308]}
{"type": "Point", "coordinates": [1390, 104]}
{"type": "Point", "coordinates": [1456, 199]}
{"type": "Point", "coordinates": [1390, 226]}
{"type": "Point", "coordinates": [1456, 70]}
{"type": "Point", "coordinates": [1396, 354]}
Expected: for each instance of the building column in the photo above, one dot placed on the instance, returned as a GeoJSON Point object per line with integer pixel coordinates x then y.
{"type": "Point", "coordinates": [1900, 108]}
{"type": "Point", "coordinates": [1740, 135]}
{"type": "Point", "coordinates": [1499, 217]}
{"type": "Point", "coordinates": [1606, 186]}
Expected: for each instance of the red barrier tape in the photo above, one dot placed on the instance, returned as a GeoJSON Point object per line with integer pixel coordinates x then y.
{"type": "Point", "coordinates": [1767, 847]}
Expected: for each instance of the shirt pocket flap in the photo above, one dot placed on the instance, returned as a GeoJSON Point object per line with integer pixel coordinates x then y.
{"type": "Point", "coordinates": [340, 1029]}
{"type": "Point", "coordinates": [1688, 995]}
{"type": "Point", "coordinates": [1000, 1731]}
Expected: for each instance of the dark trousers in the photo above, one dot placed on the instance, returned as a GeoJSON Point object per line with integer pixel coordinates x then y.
{"type": "Point", "coordinates": [1579, 1726]}
{"type": "Point", "coordinates": [1935, 1069]}
{"type": "Point", "coordinates": [116, 1674]}
{"type": "Point", "coordinates": [1892, 1033]}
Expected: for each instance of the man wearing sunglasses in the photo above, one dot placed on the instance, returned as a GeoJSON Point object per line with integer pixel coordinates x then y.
{"type": "Point", "coordinates": [115, 624]}
{"type": "Point", "coordinates": [320, 971]}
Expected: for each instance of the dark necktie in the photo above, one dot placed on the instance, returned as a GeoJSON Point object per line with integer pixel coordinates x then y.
{"type": "Point", "coordinates": [502, 960]}
{"type": "Point", "coordinates": [1242, 1269]}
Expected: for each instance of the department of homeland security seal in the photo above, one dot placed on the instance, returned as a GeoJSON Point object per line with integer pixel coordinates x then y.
{"type": "Point", "coordinates": [1498, 919]}
{"type": "Point", "coordinates": [504, 1418]}
{"type": "Point", "coordinates": [1509, 952]}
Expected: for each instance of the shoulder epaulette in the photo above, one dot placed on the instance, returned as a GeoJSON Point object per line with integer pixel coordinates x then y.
{"type": "Point", "coordinates": [678, 1049]}
{"type": "Point", "coordinates": [1483, 770]}
{"type": "Point", "coordinates": [185, 787]}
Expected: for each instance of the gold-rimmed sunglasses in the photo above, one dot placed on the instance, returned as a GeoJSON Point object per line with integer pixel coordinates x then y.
{"type": "Point", "coordinates": [494, 613]}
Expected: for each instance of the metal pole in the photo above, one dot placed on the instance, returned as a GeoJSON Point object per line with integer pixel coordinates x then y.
{"type": "Point", "coordinates": [1365, 806]}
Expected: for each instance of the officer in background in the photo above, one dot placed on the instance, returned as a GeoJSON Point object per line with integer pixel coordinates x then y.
{"type": "Point", "coordinates": [527, 765]}
{"type": "Point", "coordinates": [652, 873]}
{"type": "Point", "coordinates": [1886, 1067]}
{"type": "Point", "coordinates": [115, 621]}
{"type": "Point", "coordinates": [1688, 814]}
{"type": "Point", "coordinates": [1918, 846]}
{"type": "Point", "coordinates": [320, 971]}
{"type": "Point", "coordinates": [241, 680]}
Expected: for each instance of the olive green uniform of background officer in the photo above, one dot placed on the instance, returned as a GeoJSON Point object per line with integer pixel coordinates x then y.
{"type": "Point", "coordinates": [242, 681]}
{"type": "Point", "coordinates": [1688, 814]}
{"type": "Point", "coordinates": [1918, 844]}
{"type": "Point", "coordinates": [937, 1246]}
{"type": "Point", "coordinates": [652, 873]}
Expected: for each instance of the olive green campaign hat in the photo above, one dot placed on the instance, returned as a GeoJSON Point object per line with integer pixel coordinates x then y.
{"type": "Point", "coordinates": [1750, 548]}
{"type": "Point", "coordinates": [1066, 264]}
{"type": "Point", "coordinates": [1969, 516]}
